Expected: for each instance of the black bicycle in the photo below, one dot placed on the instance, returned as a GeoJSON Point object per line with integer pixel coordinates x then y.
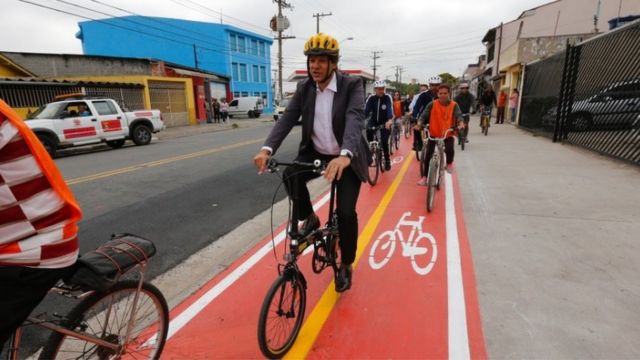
{"type": "Point", "coordinates": [282, 311]}
{"type": "Point", "coordinates": [394, 137]}
{"type": "Point", "coordinates": [462, 134]}
{"type": "Point", "coordinates": [377, 157]}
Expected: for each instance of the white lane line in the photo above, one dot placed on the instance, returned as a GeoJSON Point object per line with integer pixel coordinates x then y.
{"type": "Point", "coordinates": [457, 322]}
{"type": "Point", "coordinates": [192, 311]}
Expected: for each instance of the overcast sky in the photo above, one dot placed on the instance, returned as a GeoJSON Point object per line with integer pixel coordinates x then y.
{"type": "Point", "coordinates": [425, 37]}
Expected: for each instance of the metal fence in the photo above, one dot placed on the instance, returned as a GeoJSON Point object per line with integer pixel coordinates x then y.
{"type": "Point", "coordinates": [589, 95]}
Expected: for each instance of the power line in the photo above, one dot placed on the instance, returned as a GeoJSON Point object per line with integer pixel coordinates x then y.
{"type": "Point", "coordinates": [318, 16]}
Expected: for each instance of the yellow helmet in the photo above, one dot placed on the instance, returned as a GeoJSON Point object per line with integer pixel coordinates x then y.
{"type": "Point", "coordinates": [322, 44]}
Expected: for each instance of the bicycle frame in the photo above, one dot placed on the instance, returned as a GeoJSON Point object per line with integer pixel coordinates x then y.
{"type": "Point", "coordinates": [67, 291]}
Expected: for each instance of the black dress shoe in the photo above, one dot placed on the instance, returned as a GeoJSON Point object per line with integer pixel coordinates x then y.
{"type": "Point", "coordinates": [311, 223]}
{"type": "Point", "coordinates": [343, 278]}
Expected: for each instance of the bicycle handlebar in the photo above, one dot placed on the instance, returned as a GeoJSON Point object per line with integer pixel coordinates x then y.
{"type": "Point", "coordinates": [439, 138]}
{"type": "Point", "coordinates": [316, 166]}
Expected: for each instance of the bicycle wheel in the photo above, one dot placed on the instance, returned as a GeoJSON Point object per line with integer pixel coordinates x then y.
{"type": "Point", "coordinates": [107, 316]}
{"type": "Point", "coordinates": [406, 128]}
{"type": "Point", "coordinates": [380, 157]}
{"type": "Point", "coordinates": [374, 168]}
{"type": "Point", "coordinates": [424, 166]}
{"type": "Point", "coordinates": [281, 315]}
{"type": "Point", "coordinates": [392, 138]}
{"type": "Point", "coordinates": [434, 169]}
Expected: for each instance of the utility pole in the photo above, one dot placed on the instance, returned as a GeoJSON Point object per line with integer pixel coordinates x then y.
{"type": "Point", "coordinates": [282, 4]}
{"type": "Point", "coordinates": [375, 57]}
{"type": "Point", "coordinates": [318, 16]}
{"type": "Point", "coordinates": [399, 70]}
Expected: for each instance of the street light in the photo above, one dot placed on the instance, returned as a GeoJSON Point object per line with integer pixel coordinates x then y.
{"type": "Point", "coordinates": [349, 38]}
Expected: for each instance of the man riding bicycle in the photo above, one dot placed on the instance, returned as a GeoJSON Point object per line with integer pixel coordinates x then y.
{"type": "Point", "coordinates": [379, 110]}
{"type": "Point", "coordinates": [38, 223]}
{"type": "Point", "coordinates": [487, 101]}
{"type": "Point", "coordinates": [465, 101]}
{"type": "Point", "coordinates": [330, 104]}
{"type": "Point", "coordinates": [422, 101]}
{"type": "Point", "coordinates": [438, 117]}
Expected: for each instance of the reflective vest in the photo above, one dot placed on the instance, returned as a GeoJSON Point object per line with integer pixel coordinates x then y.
{"type": "Point", "coordinates": [38, 213]}
{"type": "Point", "coordinates": [441, 118]}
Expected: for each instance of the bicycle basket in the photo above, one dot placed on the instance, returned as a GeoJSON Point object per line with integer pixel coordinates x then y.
{"type": "Point", "coordinates": [101, 268]}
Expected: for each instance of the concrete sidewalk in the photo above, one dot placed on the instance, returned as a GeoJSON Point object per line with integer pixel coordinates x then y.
{"type": "Point", "coordinates": [201, 128]}
{"type": "Point", "coordinates": [554, 232]}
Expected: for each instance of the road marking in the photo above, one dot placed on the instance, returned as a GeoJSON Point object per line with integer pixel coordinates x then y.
{"type": "Point", "coordinates": [457, 321]}
{"type": "Point", "coordinates": [311, 328]}
{"type": "Point", "coordinates": [188, 314]}
{"type": "Point", "coordinates": [155, 163]}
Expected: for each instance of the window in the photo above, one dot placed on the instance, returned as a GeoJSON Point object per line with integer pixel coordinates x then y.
{"type": "Point", "coordinates": [105, 108]}
{"type": "Point", "coordinates": [263, 74]}
{"type": "Point", "coordinates": [245, 94]}
{"type": "Point", "coordinates": [243, 72]}
{"type": "Point", "coordinates": [254, 47]}
{"type": "Point", "coordinates": [264, 96]}
{"type": "Point", "coordinates": [234, 102]}
{"type": "Point", "coordinates": [256, 74]}
{"type": "Point", "coordinates": [260, 48]}
{"type": "Point", "coordinates": [236, 74]}
{"type": "Point", "coordinates": [257, 93]}
{"type": "Point", "coordinates": [241, 45]}
{"type": "Point", "coordinates": [233, 42]}
{"type": "Point", "coordinates": [236, 94]}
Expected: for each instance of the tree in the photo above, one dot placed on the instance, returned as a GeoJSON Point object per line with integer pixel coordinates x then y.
{"type": "Point", "coordinates": [448, 79]}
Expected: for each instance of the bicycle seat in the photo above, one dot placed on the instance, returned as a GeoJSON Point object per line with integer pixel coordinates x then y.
{"type": "Point", "coordinates": [99, 269]}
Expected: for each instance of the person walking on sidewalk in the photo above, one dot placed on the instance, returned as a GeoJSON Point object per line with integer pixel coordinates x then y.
{"type": "Point", "coordinates": [38, 223]}
{"type": "Point", "coordinates": [502, 102]}
{"type": "Point", "coordinates": [465, 101]}
{"type": "Point", "coordinates": [379, 111]}
{"type": "Point", "coordinates": [331, 106]}
{"type": "Point", "coordinates": [513, 104]}
{"type": "Point", "coordinates": [438, 117]}
{"type": "Point", "coordinates": [224, 110]}
{"type": "Point", "coordinates": [216, 111]}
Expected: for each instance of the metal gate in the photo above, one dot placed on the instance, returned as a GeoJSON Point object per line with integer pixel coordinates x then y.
{"type": "Point", "coordinates": [598, 102]}
{"type": "Point", "coordinates": [171, 99]}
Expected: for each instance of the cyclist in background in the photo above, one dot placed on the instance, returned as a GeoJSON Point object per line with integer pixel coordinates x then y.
{"type": "Point", "coordinates": [465, 101]}
{"type": "Point", "coordinates": [398, 111]}
{"type": "Point", "coordinates": [487, 101]}
{"type": "Point", "coordinates": [379, 110]}
{"type": "Point", "coordinates": [438, 117]}
{"type": "Point", "coordinates": [38, 223]}
{"type": "Point", "coordinates": [423, 100]}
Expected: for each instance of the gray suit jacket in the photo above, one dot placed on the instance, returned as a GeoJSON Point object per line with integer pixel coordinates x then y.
{"type": "Point", "coordinates": [348, 120]}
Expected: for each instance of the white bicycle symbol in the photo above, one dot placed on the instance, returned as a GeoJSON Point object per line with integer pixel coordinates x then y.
{"type": "Point", "coordinates": [420, 246]}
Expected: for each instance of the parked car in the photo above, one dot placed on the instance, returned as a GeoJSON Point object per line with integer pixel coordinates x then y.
{"type": "Point", "coordinates": [251, 106]}
{"type": "Point", "coordinates": [280, 107]}
{"type": "Point", "coordinates": [616, 106]}
{"type": "Point", "coordinates": [79, 121]}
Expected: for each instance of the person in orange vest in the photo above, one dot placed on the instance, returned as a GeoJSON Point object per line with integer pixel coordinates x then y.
{"type": "Point", "coordinates": [38, 223]}
{"type": "Point", "coordinates": [439, 116]}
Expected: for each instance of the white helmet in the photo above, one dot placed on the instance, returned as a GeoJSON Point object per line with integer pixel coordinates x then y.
{"type": "Point", "coordinates": [379, 84]}
{"type": "Point", "coordinates": [435, 80]}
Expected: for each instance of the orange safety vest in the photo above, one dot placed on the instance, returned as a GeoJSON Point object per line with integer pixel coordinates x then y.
{"type": "Point", "coordinates": [441, 118]}
{"type": "Point", "coordinates": [397, 108]}
{"type": "Point", "coordinates": [38, 212]}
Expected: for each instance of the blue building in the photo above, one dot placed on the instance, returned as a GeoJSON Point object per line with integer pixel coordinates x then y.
{"type": "Point", "coordinates": [242, 55]}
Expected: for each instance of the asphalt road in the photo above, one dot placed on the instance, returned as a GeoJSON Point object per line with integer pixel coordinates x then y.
{"type": "Point", "coordinates": [183, 193]}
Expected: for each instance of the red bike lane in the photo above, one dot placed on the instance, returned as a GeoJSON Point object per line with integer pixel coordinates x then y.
{"type": "Point", "coordinates": [413, 293]}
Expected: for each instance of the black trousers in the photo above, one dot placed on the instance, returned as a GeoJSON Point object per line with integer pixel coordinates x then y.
{"type": "Point", "coordinates": [384, 139]}
{"type": "Point", "coordinates": [431, 146]}
{"type": "Point", "coordinates": [347, 191]}
{"type": "Point", "coordinates": [21, 290]}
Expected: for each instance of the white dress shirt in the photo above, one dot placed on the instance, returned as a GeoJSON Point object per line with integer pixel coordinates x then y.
{"type": "Point", "coordinates": [323, 138]}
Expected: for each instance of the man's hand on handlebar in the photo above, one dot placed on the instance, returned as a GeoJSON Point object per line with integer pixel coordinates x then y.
{"type": "Point", "coordinates": [336, 167]}
{"type": "Point", "coordinates": [261, 159]}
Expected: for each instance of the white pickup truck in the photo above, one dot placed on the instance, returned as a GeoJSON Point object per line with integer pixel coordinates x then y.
{"type": "Point", "coordinates": [84, 121]}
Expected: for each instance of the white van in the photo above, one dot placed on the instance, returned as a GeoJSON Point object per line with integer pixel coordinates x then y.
{"type": "Point", "coordinates": [251, 106]}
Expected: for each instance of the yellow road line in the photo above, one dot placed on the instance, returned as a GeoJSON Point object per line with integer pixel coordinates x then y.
{"type": "Point", "coordinates": [159, 162]}
{"type": "Point", "coordinates": [311, 328]}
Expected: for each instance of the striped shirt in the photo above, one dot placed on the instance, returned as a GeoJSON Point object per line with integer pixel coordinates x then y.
{"type": "Point", "coordinates": [37, 220]}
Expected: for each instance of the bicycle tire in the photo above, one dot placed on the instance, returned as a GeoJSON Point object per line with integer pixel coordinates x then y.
{"type": "Point", "coordinates": [374, 169]}
{"type": "Point", "coordinates": [277, 291]}
{"type": "Point", "coordinates": [380, 156]}
{"type": "Point", "coordinates": [391, 140]}
{"type": "Point", "coordinates": [424, 167]}
{"type": "Point", "coordinates": [431, 182]}
{"type": "Point", "coordinates": [89, 312]}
